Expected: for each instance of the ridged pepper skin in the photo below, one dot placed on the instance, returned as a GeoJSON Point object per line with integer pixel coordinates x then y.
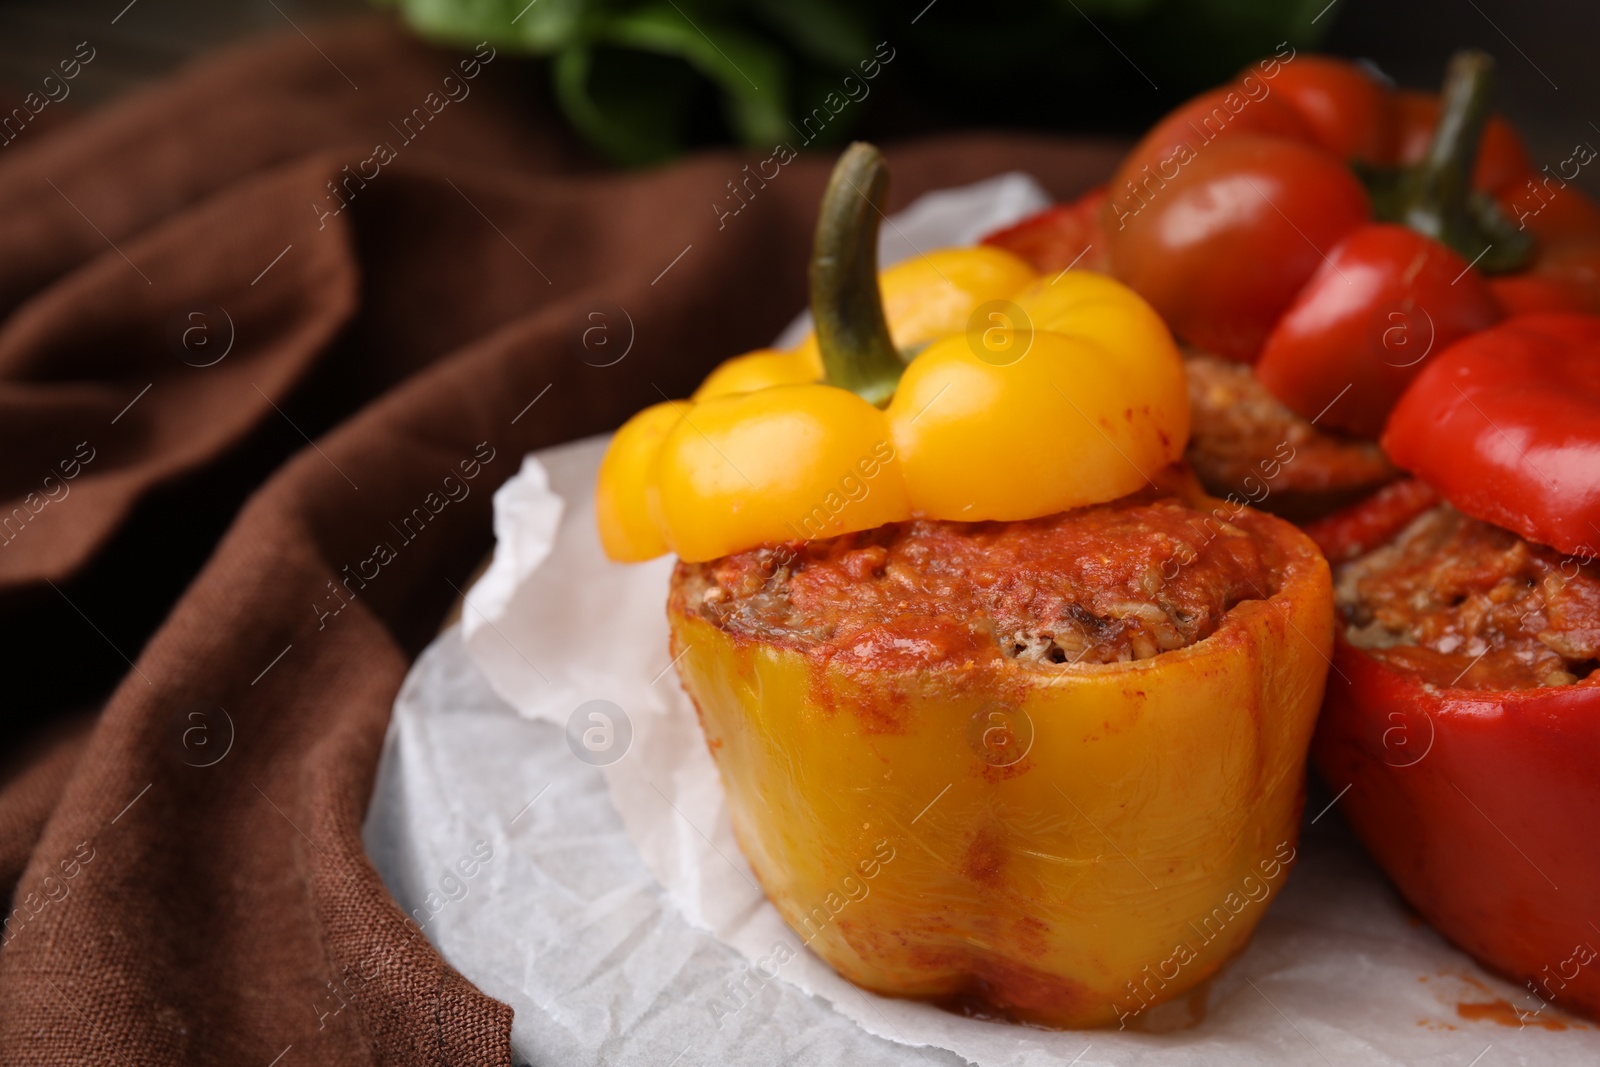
{"type": "Point", "coordinates": [1480, 806]}
{"type": "Point", "coordinates": [916, 394]}
{"type": "Point", "coordinates": [1077, 372]}
{"type": "Point", "coordinates": [1119, 862]}
{"type": "Point", "coordinates": [760, 369]}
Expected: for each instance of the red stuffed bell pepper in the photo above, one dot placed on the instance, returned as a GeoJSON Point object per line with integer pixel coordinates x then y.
{"type": "Point", "coordinates": [1313, 236]}
{"type": "Point", "coordinates": [1463, 712]}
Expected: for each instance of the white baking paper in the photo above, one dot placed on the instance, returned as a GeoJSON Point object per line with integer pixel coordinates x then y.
{"type": "Point", "coordinates": [620, 921]}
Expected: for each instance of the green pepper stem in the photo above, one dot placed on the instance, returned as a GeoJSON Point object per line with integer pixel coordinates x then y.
{"type": "Point", "coordinates": [857, 352]}
{"type": "Point", "coordinates": [1443, 179]}
{"type": "Point", "coordinates": [1436, 197]}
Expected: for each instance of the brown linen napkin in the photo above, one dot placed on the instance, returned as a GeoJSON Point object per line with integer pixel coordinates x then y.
{"type": "Point", "coordinates": [190, 326]}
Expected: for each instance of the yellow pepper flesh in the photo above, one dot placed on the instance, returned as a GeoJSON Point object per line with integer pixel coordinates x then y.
{"type": "Point", "coordinates": [759, 369]}
{"type": "Point", "coordinates": [734, 466]}
{"type": "Point", "coordinates": [932, 295]}
{"type": "Point", "coordinates": [1021, 422]}
{"type": "Point", "coordinates": [1105, 871]}
{"type": "Point", "coordinates": [623, 489]}
{"type": "Point", "coordinates": [1124, 836]}
{"type": "Point", "coordinates": [1006, 421]}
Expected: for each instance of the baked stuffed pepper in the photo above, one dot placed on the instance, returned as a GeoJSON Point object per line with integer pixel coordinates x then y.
{"type": "Point", "coordinates": [1313, 237]}
{"type": "Point", "coordinates": [1463, 715]}
{"type": "Point", "coordinates": [1009, 714]}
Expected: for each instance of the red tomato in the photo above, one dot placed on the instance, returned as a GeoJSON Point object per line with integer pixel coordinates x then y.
{"type": "Point", "coordinates": [1222, 248]}
{"type": "Point", "coordinates": [1350, 112]}
{"type": "Point", "coordinates": [1506, 424]}
{"type": "Point", "coordinates": [1502, 159]}
{"type": "Point", "coordinates": [1362, 327]}
{"type": "Point", "coordinates": [1222, 113]}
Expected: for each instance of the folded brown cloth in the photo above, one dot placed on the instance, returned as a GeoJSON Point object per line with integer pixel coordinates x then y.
{"type": "Point", "coordinates": [338, 283]}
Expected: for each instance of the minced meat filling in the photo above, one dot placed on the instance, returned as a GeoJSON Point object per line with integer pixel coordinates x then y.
{"type": "Point", "coordinates": [1245, 441]}
{"type": "Point", "coordinates": [1104, 584]}
{"type": "Point", "coordinates": [1465, 604]}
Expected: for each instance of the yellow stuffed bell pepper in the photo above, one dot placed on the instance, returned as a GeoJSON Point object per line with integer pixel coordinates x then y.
{"type": "Point", "coordinates": [1076, 374]}
{"type": "Point", "coordinates": [1010, 716]}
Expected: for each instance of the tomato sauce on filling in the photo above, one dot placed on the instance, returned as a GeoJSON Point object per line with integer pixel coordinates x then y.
{"type": "Point", "coordinates": [1246, 442]}
{"type": "Point", "coordinates": [1104, 584]}
{"type": "Point", "coordinates": [1466, 604]}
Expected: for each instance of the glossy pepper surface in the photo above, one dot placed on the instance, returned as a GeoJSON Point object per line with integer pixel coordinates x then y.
{"type": "Point", "coordinates": [928, 393]}
{"type": "Point", "coordinates": [1480, 805]}
{"type": "Point", "coordinates": [1506, 424]}
{"type": "Point", "coordinates": [1360, 329]}
{"type": "Point", "coordinates": [1245, 191]}
{"type": "Point", "coordinates": [1309, 220]}
{"type": "Point", "coordinates": [1066, 848]}
{"type": "Point", "coordinates": [1067, 844]}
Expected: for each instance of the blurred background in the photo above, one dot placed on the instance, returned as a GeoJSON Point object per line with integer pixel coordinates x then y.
{"type": "Point", "coordinates": [645, 80]}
